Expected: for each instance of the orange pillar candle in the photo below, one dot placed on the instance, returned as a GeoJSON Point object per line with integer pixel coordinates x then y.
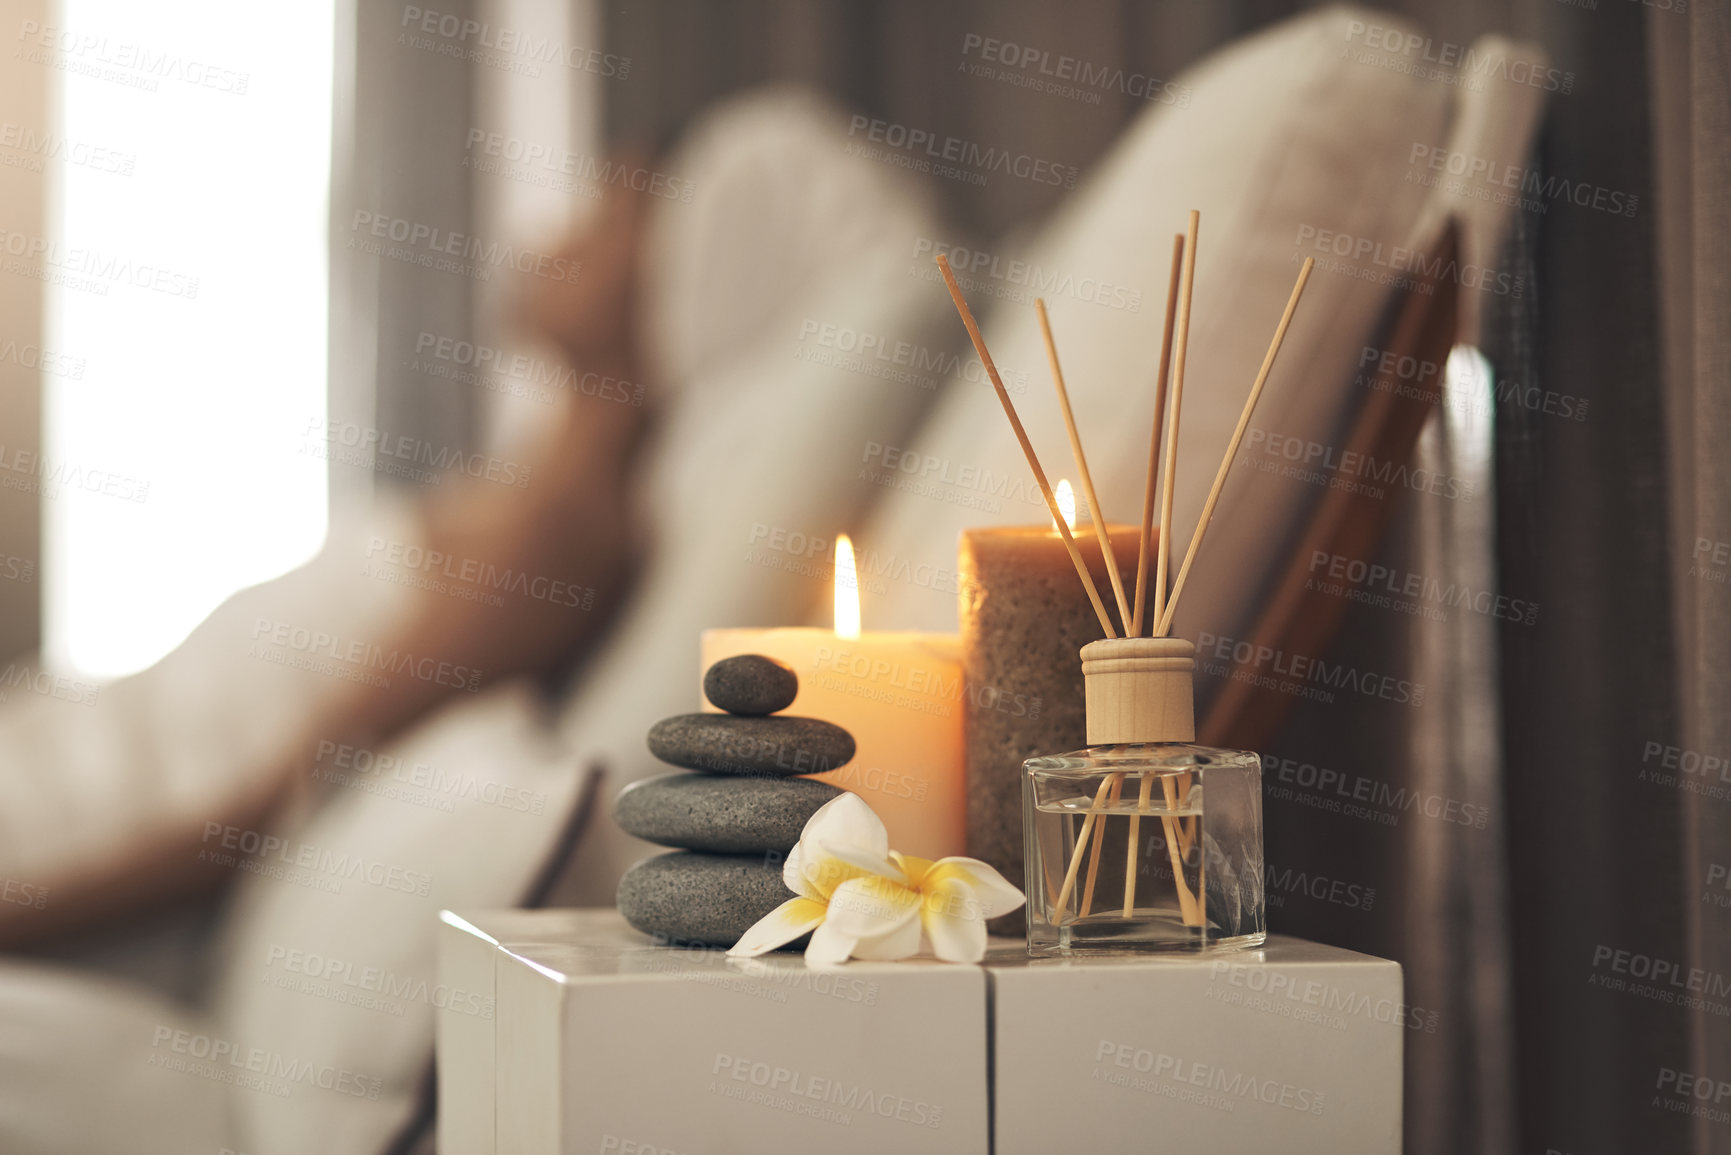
{"type": "Point", "coordinates": [898, 694]}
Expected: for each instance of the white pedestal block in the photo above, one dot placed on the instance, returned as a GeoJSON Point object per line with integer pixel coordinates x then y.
{"type": "Point", "coordinates": [468, 953]}
{"type": "Point", "coordinates": [604, 1042]}
{"type": "Point", "coordinates": [600, 1041]}
{"type": "Point", "coordinates": [1294, 1048]}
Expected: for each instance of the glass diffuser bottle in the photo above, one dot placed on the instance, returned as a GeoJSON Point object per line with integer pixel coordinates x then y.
{"type": "Point", "coordinates": [1144, 841]}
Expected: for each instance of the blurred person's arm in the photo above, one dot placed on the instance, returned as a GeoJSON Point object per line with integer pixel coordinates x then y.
{"type": "Point", "coordinates": [163, 782]}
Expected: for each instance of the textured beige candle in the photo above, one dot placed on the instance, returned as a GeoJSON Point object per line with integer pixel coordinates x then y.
{"type": "Point", "coordinates": [900, 696]}
{"type": "Point", "coordinates": [1025, 619]}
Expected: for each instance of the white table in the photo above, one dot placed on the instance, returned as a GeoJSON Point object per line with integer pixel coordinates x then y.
{"type": "Point", "coordinates": [593, 1039]}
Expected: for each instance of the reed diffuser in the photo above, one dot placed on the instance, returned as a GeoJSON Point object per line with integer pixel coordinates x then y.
{"type": "Point", "coordinates": [1143, 840]}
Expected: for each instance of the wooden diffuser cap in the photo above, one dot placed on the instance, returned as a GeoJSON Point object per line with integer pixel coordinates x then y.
{"type": "Point", "coordinates": [1139, 690]}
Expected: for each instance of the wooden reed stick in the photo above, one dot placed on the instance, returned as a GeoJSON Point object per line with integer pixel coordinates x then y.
{"type": "Point", "coordinates": [1027, 447]}
{"type": "Point", "coordinates": [1069, 886]}
{"type": "Point", "coordinates": [1186, 901]}
{"type": "Point", "coordinates": [1100, 532]}
{"type": "Point", "coordinates": [1202, 887]}
{"type": "Point", "coordinates": [1165, 620]}
{"type": "Point", "coordinates": [1178, 786]}
{"type": "Point", "coordinates": [1177, 838]}
{"type": "Point", "coordinates": [1154, 438]}
{"type": "Point", "coordinates": [1142, 801]}
{"type": "Point", "coordinates": [1117, 783]}
{"type": "Point", "coordinates": [1172, 785]}
{"type": "Point", "coordinates": [1082, 468]}
{"type": "Point", "coordinates": [1171, 435]}
{"type": "Point", "coordinates": [1134, 849]}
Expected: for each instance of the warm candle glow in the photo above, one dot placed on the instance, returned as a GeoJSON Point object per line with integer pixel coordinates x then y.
{"type": "Point", "coordinates": [1066, 503]}
{"type": "Point", "coordinates": [846, 589]}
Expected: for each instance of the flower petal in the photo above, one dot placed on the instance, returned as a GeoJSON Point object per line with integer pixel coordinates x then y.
{"type": "Point", "coordinates": [828, 947]}
{"type": "Point", "coordinates": [847, 821]}
{"type": "Point", "coordinates": [865, 862]}
{"type": "Point", "coordinates": [871, 907]}
{"type": "Point", "coordinates": [779, 927]}
{"type": "Point", "coordinates": [793, 874]}
{"type": "Point", "coordinates": [914, 868]}
{"type": "Point", "coordinates": [899, 943]}
{"type": "Point", "coordinates": [825, 871]}
{"type": "Point", "coordinates": [952, 918]}
{"type": "Point", "coordinates": [994, 893]}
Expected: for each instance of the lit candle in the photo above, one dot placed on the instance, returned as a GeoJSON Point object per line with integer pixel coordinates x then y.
{"type": "Point", "coordinates": [899, 694]}
{"type": "Point", "coordinates": [1025, 619]}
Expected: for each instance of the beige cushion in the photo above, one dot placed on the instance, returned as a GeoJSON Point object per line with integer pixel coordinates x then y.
{"type": "Point", "coordinates": [89, 1067]}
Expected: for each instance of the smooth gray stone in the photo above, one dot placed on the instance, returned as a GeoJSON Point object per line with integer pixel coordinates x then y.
{"type": "Point", "coordinates": [750, 684]}
{"type": "Point", "coordinates": [777, 746]}
{"type": "Point", "coordinates": [721, 813]}
{"type": "Point", "coordinates": [685, 898]}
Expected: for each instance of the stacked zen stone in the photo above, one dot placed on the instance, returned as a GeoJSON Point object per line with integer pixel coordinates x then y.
{"type": "Point", "coordinates": [737, 817]}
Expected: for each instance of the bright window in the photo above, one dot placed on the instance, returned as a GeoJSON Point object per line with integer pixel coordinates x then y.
{"type": "Point", "coordinates": [188, 266]}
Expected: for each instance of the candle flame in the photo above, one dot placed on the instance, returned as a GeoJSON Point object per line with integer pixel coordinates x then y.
{"type": "Point", "coordinates": [846, 589]}
{"type": "Point", "coordinates": [1066, 503]}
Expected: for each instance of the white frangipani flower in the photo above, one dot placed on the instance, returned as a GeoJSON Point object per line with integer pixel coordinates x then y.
{"type": "Point", "coordinates": [860, 899]}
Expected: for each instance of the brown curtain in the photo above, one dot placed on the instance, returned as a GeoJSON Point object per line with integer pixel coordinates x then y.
{"type": "Point", "coordinates": [400, 120]}
{"type": "Point", "coordinates": [1592, 850]}
{"type": "Point", "coordinates": [1540, 726]}
{"type": "Point", "coordinates": [1691, 117]}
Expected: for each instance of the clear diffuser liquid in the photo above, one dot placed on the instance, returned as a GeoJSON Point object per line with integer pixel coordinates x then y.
{"type": "Point", "coordinates": [1144, 847]}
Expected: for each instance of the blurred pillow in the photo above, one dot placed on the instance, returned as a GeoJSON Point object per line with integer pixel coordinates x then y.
{"type": "Point", "coordinates": [88, 1065]}
{"type": "Point", "coordinates": [328, 968]}
{"type": "Point", "coordinates": [1289, 138]}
